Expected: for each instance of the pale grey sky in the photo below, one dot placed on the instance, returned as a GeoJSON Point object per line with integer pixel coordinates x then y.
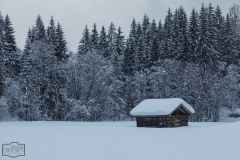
{"type": "Point", "coordinates": [75, 14]}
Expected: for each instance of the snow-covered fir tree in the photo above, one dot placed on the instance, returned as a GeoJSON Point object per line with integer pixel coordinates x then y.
{"type": "Point", "coordinates": [103, 44]}
{"type": "Point", "coordinates": [120, 42]}
{"type": "Point", "coordinates": [111, 40]}
{"type": "Point", "coordinates": [12, 58]}
{"type": "Point", "coordinates": [94, 38]}
{"type": "Point", "coordinates": [40, 29]}
{"type": "Point", "coordinates": [193, 34]}
{"type": "Point", "coordinates": [85, 42]}
{"type": "Point", "coordinates": [227, 54]}
{"type": "Point", "coordinates": [2, 55]}
{"type": "Point", "coordinates": [168, 50]}
{"type": "Point", "coordinates": [51, 32]}
{"type": "Point", "coordinates": [60, 44]}
{"type": "Point", "coordinates": [10, 45]}
{"type": "Point", "coordinates": [160, 38]}
{"type": "Point", "coordinates": [206, 53]}
{"type": "Point", "coordinates": [182, 32]}
{"type": "Point", "coordinates": [130, 51]}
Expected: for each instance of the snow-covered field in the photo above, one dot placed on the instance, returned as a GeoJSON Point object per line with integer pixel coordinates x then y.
{"type": "Point", "coordinates": [123, 141]}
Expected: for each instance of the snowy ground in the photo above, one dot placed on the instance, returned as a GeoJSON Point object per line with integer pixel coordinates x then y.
{"type": "Point", "coordinates": [123, 141]}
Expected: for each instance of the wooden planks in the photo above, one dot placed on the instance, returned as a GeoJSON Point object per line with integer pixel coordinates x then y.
{"type": "Point", "coordinates": [162, 121]}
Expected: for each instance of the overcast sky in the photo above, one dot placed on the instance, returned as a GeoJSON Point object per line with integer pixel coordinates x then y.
{"type": "Point", "coordinates": [75, 14]}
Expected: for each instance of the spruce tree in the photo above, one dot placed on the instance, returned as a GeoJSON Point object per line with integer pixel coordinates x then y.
{"type": "Point", "coordinates": [219, 23]}
{"type": "Point", "coordinates": [147, 46]}
{"type": "Point", "coordinates": [25, 61]}
{"type": "Point", "coordinates": [111, 40]}
{"type": "Point", "coordinates": [11, 57]}
{"type": "Point", "coordinates": [120, 42]}
{"type": "Point", "coordinates": [193, 34]}
{"type": "Point", "coordinates": [211, 24]}
{"type": "Point", "coordinates": [234, 16]}
{"type": "Point", "coordinates": [94, 37]}
{"type": "Point", "coordinates": [145, 24]}
{"type": "Point", "coordinates": [201, 51]}
{"type": "Point", "coordinates": [167, 48]}
{"type": "Point", "coordinates": [128, 66]}
{"type": "Point", "coordinates": [26, 64]}
{"type": "Point", "coordinates": [117, 62]}
{"type": "Point", "coordinates": [147, 40]}
{"type": "Point", "coordinates": [206, 54]}
{"type": "Point", "coordinates": [138, 32]}
{"type": "Point", "coordinates": [27, 42]}
{"type": "Point", "coordinates": [175, 35]}
{"type": "Point", "coordinates": [153, 29]}
{"type": "Point", "coordinates": [133, 32]}
{"type": "Point", "coordinates": [212, 35]}
{"type": "Point", "coordinates": [160, 37]}
{"type": "Point", "coordinates": [133, 35]}
{"type": "Point", "coordinates": [183, 40]}
{"type": "Point", "coordinates": [2, 56]}
{"type": "Point", "coordinates": [139, 59]}
{"type": "Point", "coordinates": [154, 52]}
{"type": "Point", "coordinates": [51, 33]}
{"type": "Point", "coordinates": [61, 44]}
{"type": "Point", "coordinates": [2, 37]}
{"type": "Point", "coordinates": [85, 43]}
{"type": "Point", "coordinates": [227, 55]}
{"type": "Point", "coordinates": [33, 34]}
{"type": "Point", "coordinates": [40, 28]}
{"type": "Point", "coordinates": [9, 64]}
{"type": "Point", "coordinates": [9, 35]}
{"type": "Point", "coordinates": [103, 45]}
{"type": "Point", "coordinates": [130, 52]}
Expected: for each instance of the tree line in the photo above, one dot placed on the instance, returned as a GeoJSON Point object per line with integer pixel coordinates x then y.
{"type": "Point", "coordinates": [195, 58]}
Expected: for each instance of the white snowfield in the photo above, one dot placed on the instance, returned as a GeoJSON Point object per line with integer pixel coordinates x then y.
{"type": "Point", "coordinates": [159, 106]}
{"type": "Point", "coordinates": [122, 141]}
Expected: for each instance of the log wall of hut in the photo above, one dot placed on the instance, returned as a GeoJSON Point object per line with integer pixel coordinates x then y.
{"type": "Point", "coordinates": [162, 121]}
{"type": "Point", "coordinates": [178, 118]}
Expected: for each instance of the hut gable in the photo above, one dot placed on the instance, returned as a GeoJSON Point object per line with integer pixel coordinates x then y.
{"type": "Point", "coordinates": [181, 110]}
{"type": "Point", "coordinates": [155, 107]}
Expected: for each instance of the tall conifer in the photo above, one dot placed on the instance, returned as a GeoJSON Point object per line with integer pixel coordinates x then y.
{"type": "Point", "coordinates": [61, 44]}
{"type": "Point", "coordinates": [94, 37]}
{"type": "Point", "coordinates": [85, 43]}
{"type": "Point", "coordinates": [193, 34]}
{"type": "Point", "coordinates": [103, 45]}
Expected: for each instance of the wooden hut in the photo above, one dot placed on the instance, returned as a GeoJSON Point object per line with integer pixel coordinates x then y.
{"type": "Point", "coordinates": [172, 112]}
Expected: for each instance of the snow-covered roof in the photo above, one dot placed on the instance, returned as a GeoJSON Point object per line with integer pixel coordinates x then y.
{"type": "Point", "coordinates": [159, 107]}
